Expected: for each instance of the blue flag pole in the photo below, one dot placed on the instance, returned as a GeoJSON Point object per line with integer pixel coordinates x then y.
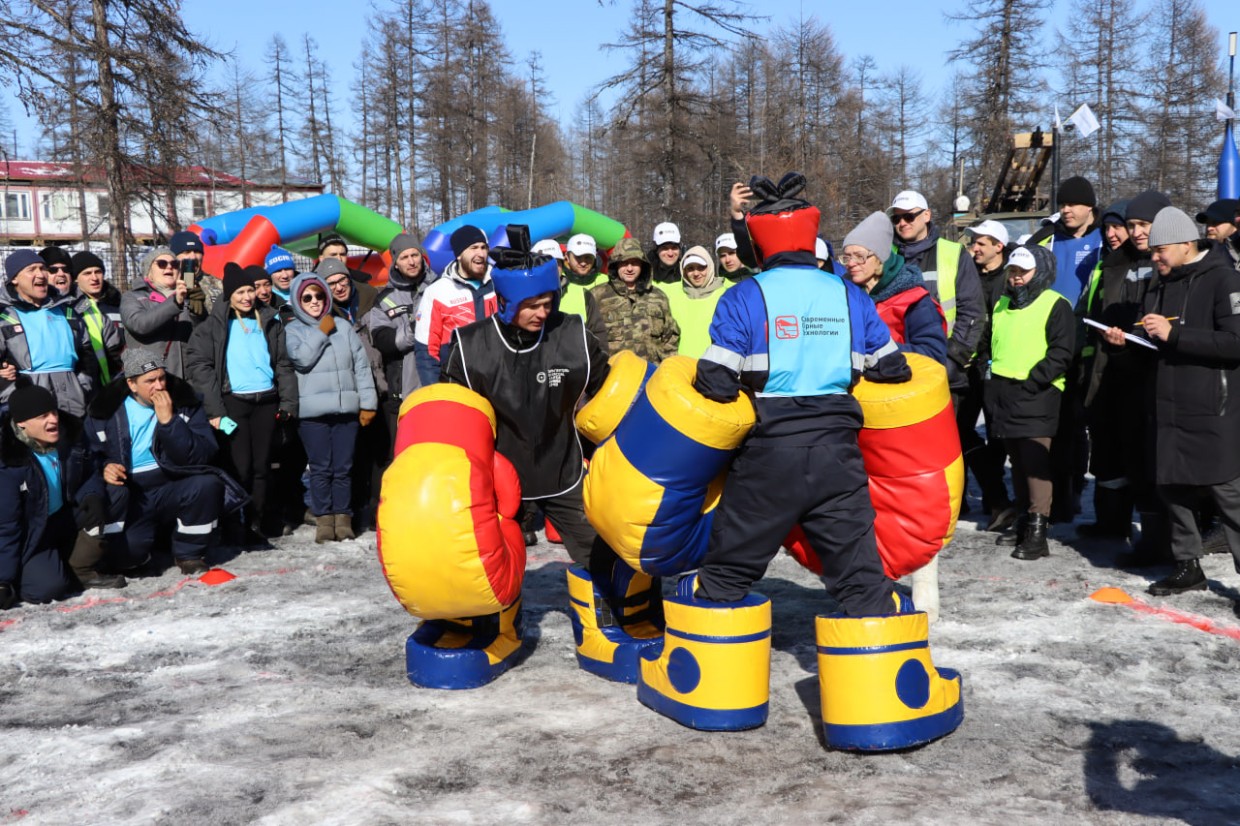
{"type": "Point", "coordinates": [1229, 159]}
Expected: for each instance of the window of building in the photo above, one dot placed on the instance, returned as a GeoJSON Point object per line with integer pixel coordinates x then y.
{"type": "Point", "coordinates": [198, 207]}
{"type": "Point", "coordinates": [104, 205]}
{"type": "Point", "coordinates": [16, 206]}
{"type": "Point", "coordinates": [54, 206]}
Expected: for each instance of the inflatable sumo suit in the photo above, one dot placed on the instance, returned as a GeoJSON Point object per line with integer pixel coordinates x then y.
{"type": "Point", "coordinates": [449, 540]}
{"type": "Point", "coordinates": [799, 339]}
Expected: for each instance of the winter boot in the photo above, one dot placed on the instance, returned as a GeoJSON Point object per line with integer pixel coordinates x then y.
{"type": "Point", "coordinates": [1016, 533]}
{"type": "Point", "coordinates": [1187, 576]}
{"type": "Point", "coordinates": [464, 653]}
{"type": "Point", "coordinates": [344, 526]}
{"type": "Point", "coordinates": [1112, 514]}
{"type": "Point", "coordinates": [1033, 543]}
{"type": "Point", "coordinates": [1154, 545]}
{"type": "Point", "coordinates": [192, 566]}
{"type": "Point", "coordinates": [324, 528]}
{"type": "Point", "coordinates": [88, 552]}
{"type": "Point", "coordinates": [880, 690]}
{"type": "Point", "coordinates": [1002, 518]}
{"type": "Point", "coordinates": [1214, 540]}
{"type": "Point", "coordinates": [608, 645]}
{"type": "Point", "coordinates": [714, 671]}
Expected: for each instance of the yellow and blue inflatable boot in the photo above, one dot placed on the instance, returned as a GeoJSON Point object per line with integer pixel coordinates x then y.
{"type": "Point", "coordinates": [714, 672]}
{"type": "Point", "coordinates": [449, 541]}
{"type": "Point", "coordinates": [654, 484]}
{"type": "Point", "coordinates": [610, 644]}
{"type": "Point", "coordinates": [880, 690]}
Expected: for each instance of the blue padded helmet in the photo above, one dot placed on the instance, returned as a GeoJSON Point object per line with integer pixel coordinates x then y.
{"type": "Point", "coordinates": [519, 274]}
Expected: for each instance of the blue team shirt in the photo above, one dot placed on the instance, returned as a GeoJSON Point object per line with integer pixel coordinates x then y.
{"type": "Point", "coordinates": [50, 463]}
{"type": "Point", "coordinates": [49, 338]}
{"type": "Point", "coordinates": [247, 359]}
{"type": "Point", "coordinates": [141, 435]}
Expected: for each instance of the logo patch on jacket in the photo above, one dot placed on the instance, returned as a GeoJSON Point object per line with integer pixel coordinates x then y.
{"type": "Point", "coordinates": [1235, 303]}
{"type": "Point", "coordinates": [786, 326]}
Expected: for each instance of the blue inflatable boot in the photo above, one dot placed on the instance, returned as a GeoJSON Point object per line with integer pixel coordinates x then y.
{"type": "Point", "coordinates": [464, 653]}
{"type": "Point", "coordinates": [609, 645]}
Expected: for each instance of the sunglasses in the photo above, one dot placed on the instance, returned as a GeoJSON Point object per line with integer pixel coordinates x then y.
{"type": "Point", "coordinates": [57, 268]}
{"type": "Point", "coordinates": [907, 218]}
{"type": "Point", "coordinates": [165, 264]}
{"type": "Point", "coordinates": [312, 298]}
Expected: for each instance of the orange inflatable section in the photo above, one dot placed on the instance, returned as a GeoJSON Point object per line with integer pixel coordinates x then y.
{"type": "Point", "coordinates": [911, 450]}
{"type": "Point", "coordinates": [449, 540]}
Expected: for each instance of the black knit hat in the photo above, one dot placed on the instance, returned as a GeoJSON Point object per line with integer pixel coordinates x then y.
{"type": "Point", "coordinates": [1077, 190]}
{"type": "Point", "coordinates": [29, 402]}
{"type": "Point", "coordinates": [1145, 206]}
{"type": "Point", "coordinates": [84, 260]}
{"type": "Point", "coordinates": [235, 278]}
{"type": "Point", "coordinates": [54, 255]}
{"type": "Point", "coordinates": [464, 238]}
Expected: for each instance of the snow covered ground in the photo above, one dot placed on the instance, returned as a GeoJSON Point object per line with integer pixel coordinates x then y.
{"type": "Point", "coordinates": [281, 698]}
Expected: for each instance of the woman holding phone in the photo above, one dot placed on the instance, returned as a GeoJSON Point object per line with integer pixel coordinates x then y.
{"type": "Point", "coordinates": [156, 312]}
{"type": "Point", "coordinates": [237, 361]}
{"type": "Point", "coordinates": [336, 394]}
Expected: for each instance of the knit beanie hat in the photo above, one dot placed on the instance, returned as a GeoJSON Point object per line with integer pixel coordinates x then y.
{"type": "Point", "coordinates": [874, 234]}
{"type": "Point", "coordinates": [1145, 206]}
{"type": "Point", "coordinates": [19, 260]}
{"type": "Point", "coordinates": [1077, 190]}
{"type": "Point", "coordinates": [1116, 213]}
{"type": "Point", "coordinates": [138, 361]}
{"type": "Point", "coordinates": [83, 261]}
{"type": "Point", "coordinates": [185, 241]}
{"type": "Point", "coordinates": [402, 242]}
{"type": "Point", "coordinates": [30, 401]}
{"type": "Point", "coordinates": [1172, 226]}
{"type": "Point", "coordinates": [235, 278]}
{"type": "Point", "coordinates": [464, 238]}
{"type": "Point", "coordinates": [54, 255]}
{"type": "Point", "coordinates": [148, 260]}
{"type": "Point", "coordinates": [278, 258]}
{"type": "Point", "coordinates": [329, 267]}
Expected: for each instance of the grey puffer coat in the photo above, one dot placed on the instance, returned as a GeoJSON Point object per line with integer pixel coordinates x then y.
{"type": "Point", "coordinates": [333, 371]}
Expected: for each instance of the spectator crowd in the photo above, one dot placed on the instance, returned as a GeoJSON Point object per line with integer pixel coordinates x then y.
{"type": "Point", "coordinates": [191, 409]}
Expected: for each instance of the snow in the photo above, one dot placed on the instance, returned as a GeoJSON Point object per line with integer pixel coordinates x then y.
{"type": "Point", "coordinates": [281, 698]}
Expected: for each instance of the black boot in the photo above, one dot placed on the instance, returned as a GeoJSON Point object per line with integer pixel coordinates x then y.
{"type": "Point", "coordinates": [1113, 515]}
{"type": "Point", "coordinates": [1002, 517]}
{"type": "Point", "coordinates": [1033, 543]}
{"type": "Point", "coordinates": [1187, 576]}
{"type": "Point", "coordinates": [1214, 540]}
{"type": "Point", "coordinates": [1016, 533]}
{"type": "Point", "coordinates": [1154, 545]}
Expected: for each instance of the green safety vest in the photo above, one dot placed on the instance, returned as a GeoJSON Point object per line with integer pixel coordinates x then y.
{"type": "Point", "coordinates": [946, 260]}
{"type": "Point", "coordinates": [573, 299]}
{"type": "Point", "coordinates": [693, 316]}
{"type": "Point", "coordinates": [94, 326]}
{"type": "Point", "coordinates": [1018, 337]}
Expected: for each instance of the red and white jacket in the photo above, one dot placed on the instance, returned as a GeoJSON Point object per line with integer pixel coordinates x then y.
{"type": "Point", "coordinates": [448, 303]}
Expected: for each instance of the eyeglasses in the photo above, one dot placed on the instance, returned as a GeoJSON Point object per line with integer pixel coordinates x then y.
{"type": "Point", "coordinates": [57, 268]}
{"type": "Point", "coordinates": [165, 264]}
{"type": "Point", "coordinates": [313, 298]}
{"type": "Point", "coordinates": [849, 258]}
{"type": "Point", "coordinates": [339, 282]}
{"type": "Point", "coordinates": [907, 218]}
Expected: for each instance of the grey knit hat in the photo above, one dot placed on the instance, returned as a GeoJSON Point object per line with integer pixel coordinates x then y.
{"type": "Point", "coordinates": [138, 361]}
{"type": "Point", "coordinates": [874, 234]}
{"type": "Point", "coordinates": [144, 266]}
{"type": "Point", "coordinates": [329, 267]}
{"type": "Point", "coordinates": [1173, 226]}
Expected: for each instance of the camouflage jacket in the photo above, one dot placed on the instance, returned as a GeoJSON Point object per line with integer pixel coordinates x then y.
{"type": "Point", "coordinates": [639, 319]}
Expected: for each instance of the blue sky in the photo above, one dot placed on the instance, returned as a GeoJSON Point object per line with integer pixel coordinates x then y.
{"type": "Point", "coordinates": [567, 33]}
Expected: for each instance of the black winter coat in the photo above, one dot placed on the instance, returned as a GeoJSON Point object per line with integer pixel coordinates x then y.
{"type": "Point", "coordinates": [206, 356]}
{"type": "Point", "coordinates": [1197, 373]}
{"type": "Point", "coordinates": [1127, 275]}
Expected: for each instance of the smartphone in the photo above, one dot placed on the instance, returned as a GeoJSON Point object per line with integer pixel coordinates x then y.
{"type": "Point", "coordinates": [189, 272]}
{"type": "Point", "coordinates": [227, 425]}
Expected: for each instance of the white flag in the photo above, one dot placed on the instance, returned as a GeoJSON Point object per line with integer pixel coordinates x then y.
{"type": "Point", "coordinates": [1084, 121]}
{"type": "Point", "coordinates": [1223, 112]}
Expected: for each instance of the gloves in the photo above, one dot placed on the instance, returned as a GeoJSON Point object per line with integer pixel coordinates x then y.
{"type": "Point", "coordinates": [92, 512]}
{"type": "Point", "coordinates": [958, 353]}
{"type": "Point", "coordinates": [399, 310]}
{"type": "Point", "coordinates": [283, 416]}
{"type": "Point", "coordinates": [196, 300]}
{"type": "Point", "coordinates": [366, 417]}
{"type": "Point", "coordinates": [328, 325]}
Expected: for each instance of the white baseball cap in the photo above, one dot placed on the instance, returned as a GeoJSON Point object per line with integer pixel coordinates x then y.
{"type": "Point", "coordinates": [725, 241]}
{"type": "Point", "coordinates": [694, 259]}
{"type": "Point", "coordinates": [1022, 258]}
{"type": "Point", "coordinates": [582, 244]}
{"type": "Point", "coordinates": [908, 200]}
{"type": "Point", "coordinates": [666, 233]}
{"type": "Point", "coordinates": [548, 247]}
{"type": "Point", "coordinates": [991, 229]}
{"type": "Point", "coordinates": [820, 250]}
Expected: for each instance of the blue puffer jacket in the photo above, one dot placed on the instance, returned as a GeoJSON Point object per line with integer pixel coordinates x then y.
{"type": "Point", "coordinates": [333, 371]}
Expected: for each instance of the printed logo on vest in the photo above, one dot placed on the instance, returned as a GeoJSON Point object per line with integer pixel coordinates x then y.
{"type": "Point", "coordinates": [552, 376]}
{"type": "Point", "coordinates": [786, 326]}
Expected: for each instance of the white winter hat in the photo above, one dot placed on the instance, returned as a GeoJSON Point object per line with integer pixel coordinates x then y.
{"type": "Point", "coordinates": [548, 247]}
{"type": "Point", "coordinates": [666, 233]}
{"type": "Point", "coordinates": [991, 229]}
{"type": "Point", "coordinates": [582, 244]}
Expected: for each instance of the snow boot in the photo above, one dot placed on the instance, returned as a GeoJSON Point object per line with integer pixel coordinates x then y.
{"type": "Point", "coordinates": [714, 670]}
{"type": "Point", "coordinates": [1187, 576]}
{"type": "Point", "coordinates": [88, 552]}
{"type": "Point", "coordinates": [1015, 533]}
{"type": "Point", "coordinates": [324, 528]}
{"type": "Point", "coordinates": [464, 653]}
{"type": "Point", "coordinates": [880, 690]}
{"type": "Point", "coordinates": [192, 566]}
{"type": "Point", "coordinates": [1033, 543]}
{"type": "Point", "coordinates": [344, 526]}
{"type": "Point", "coordinates": [1002, 518]}
{"type": "Point", "coordinates": [610, 645]}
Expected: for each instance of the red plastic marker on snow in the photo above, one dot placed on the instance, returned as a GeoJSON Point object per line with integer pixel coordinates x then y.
{"type": "Point", "coordinates": [1116, 596]}
{"type": "Point", "coordinates": [216, 576]}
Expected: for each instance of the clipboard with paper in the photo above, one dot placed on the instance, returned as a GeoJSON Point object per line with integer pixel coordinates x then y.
{"type": "Point", "coordinates": [1144, 342]}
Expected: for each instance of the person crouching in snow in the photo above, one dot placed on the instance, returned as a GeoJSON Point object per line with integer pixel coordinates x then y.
{"type": "Point", "coordinates": [915, 319]}
{"type": "Point", "coordinates": [1032, 338]}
